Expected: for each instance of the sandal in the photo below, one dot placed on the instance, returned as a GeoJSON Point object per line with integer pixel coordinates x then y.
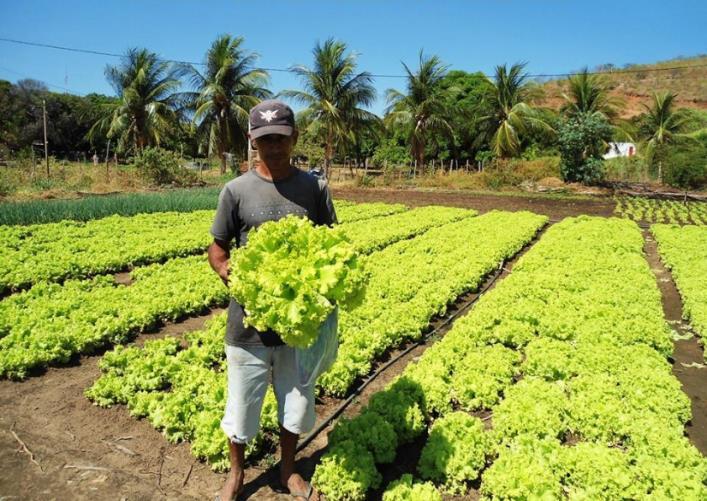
{"type": "Point", "coordinates": [301, 495]}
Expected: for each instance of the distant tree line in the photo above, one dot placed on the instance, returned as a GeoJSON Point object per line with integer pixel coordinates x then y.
{"type": "Point", "coordinates": [439, 114]}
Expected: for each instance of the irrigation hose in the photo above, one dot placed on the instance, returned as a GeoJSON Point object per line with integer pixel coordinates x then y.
{"type": "Point", "coordinates": [343, 405]}
{"type": "Point", "coordinates": [324, 424]}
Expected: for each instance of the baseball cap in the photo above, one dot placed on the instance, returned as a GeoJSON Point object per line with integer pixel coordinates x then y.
{"type": "Point", "coordinates": [271, 117]}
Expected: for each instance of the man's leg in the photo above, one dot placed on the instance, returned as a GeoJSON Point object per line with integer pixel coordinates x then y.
{"type": "Point", "coordinates": [248, 373]}
{"type": "Point", "coordinates": [234, 481]}
{"type": "Point", "coordinates": [289, 478]}
{"type": "Point", "coordinates": [295, 406]}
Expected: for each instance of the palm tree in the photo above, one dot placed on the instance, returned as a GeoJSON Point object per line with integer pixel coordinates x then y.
{"type": "Point", "coordinates": [422, 110]}
{"type": "Point", "coordinates": [226, 91]}
{"type": "Point", "coordinates": [145, 111]}
{"type": "Point", "coordinates": [589, 94]}
{"type": "Point", "coordinates": [662, 124]}
{"type": "Point", "coordinates": [512, 114]}
{"type": "Point", "coordinates": [333, 94]}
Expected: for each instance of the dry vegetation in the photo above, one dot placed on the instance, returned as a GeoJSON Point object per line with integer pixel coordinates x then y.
{"type": "Point", "coordinates": [636, 87]}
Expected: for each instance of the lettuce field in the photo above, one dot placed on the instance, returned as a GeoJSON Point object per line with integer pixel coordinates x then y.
{"type": "Point", "coordinates": [510, 356]}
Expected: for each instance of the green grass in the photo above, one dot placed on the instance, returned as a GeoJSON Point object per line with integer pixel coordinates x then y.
{"type": "Point", "coordinates": [84, 209]}
{"type": "Point", "coordinates": [179, 200]}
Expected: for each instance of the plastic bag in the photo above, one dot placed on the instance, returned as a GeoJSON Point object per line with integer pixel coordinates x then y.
{"type": "Point", "coordinates": [318, 358]}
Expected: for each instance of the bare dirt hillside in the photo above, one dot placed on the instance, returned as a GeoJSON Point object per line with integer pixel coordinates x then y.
{"type": "Point", "coordinates": [635, 84]}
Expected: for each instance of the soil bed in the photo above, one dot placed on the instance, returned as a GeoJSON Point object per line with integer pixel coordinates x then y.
{"type": "Point", "coordinates": [554, 208]}
{"type": "Point", "coordinates": [85, 451]}
{"type": "Point", "coordinates": [687, 351]}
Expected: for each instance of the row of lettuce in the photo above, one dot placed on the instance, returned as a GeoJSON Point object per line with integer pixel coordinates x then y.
{"type": "Point", "coordinates": [414, 280]}
{"type": "Point", "coordinates": [181, 390]}
{"type": "Point", "coordinates": [565, 360]}
{"type": "Point", "coordinates": [52, 322]}
{"type": "Point", "coordinates": [661, 211]}
{"type": "Point", "coordinates": [684, 251]}
{"type": "Point", "coordinates": [555, 386]}
{"type": "Point", "coordinates": [54, 252]}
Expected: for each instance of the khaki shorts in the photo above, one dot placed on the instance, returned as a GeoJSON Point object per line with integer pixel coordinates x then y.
{"type": "Point", "coordinates": [250, 370]}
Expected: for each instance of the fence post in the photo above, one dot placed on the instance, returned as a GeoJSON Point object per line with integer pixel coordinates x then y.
{"type": "Point", "coordinates": [107, 153]}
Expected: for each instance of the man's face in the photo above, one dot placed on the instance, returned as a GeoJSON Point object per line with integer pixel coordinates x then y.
{"type": "Point", "coordinates": [275, 148]}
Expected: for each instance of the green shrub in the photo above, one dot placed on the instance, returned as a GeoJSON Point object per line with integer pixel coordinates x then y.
{"type": "Point", "coordinates": [684, 164]}
{"type": "Point", "coordinates": [532, 152]}
{"type": "Point", "coordinates": [309, 147]}
{"type": "Point", "coordinates": [582, 139]}
{"type": "Point", "coordinates": [391, 154]}
{"type": "Point", "coordinates": [161, 167]}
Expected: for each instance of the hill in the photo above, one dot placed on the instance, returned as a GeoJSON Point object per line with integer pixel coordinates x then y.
{"type": "Point", "coordinates": [635, 84]}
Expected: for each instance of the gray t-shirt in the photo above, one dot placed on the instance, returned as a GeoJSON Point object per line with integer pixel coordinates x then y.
{"type": "Point", "coordinates": [251, 200]}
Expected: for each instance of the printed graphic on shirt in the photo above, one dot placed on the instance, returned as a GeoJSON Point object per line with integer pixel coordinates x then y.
{"type": "Point", "coordinates": [256, 214]}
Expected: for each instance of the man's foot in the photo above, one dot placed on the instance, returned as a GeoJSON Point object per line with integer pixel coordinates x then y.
{"type": "Point", "coordinates": [300, 488]}
{"type": "Point", "coordinates": [233, 486]}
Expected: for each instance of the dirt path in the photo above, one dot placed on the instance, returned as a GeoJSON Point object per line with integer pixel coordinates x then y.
{"type": "Point", "coordinates": [687, 352]}
{"type": "Point", "coordinates": [555, 209]}
{"type": "Point", "coordinates": [85, 452]}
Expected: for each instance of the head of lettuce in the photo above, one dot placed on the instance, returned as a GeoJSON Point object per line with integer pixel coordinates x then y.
{"type": "Point", "coordinates": [291, 275]}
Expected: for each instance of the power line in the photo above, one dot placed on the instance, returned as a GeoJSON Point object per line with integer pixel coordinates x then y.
{"type": "Point", "coordinates": [285, 70]}
{"type": "Point", "coordinates": [48, 84]}
{"type": "Point", "coordinates": [59, 47]}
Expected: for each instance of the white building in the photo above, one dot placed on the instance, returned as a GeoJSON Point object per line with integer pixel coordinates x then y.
{"type": "Point", "coordinates": [620, 150]}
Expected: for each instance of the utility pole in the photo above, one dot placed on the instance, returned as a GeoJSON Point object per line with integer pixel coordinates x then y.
{"type": "Point", "coordinates": [46, 144]}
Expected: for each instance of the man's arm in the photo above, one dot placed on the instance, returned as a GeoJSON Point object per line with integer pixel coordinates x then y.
{"type": "Point", "coordinates": [219, 254]}
{"type": "Point", "coordinates": [327, 214]}
{"type": "Point", "coordinates": [224, 230]}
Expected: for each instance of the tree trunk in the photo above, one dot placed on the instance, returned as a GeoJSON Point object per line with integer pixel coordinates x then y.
{"type": "Point", "coordinates": [223, 145]}
{"type": "Point", "coordinates": [419, 153]}
{"type": "Point", "coordinates": [328, 154]}
{"type": "Point", "coordinates": [139, 142]}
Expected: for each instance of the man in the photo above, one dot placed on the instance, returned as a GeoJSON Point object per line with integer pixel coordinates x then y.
{"type": "Point", "coordinates": [269, 192]}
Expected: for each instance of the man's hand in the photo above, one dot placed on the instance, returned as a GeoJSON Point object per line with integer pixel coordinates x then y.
{"type": "Point", "coordinates": [219, 254]}
{"type": "Point", "coordinates": [223, 273]}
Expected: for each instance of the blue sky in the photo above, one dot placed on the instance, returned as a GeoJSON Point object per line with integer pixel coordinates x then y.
{"type": "Point", "coordinates": [551, 35]}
